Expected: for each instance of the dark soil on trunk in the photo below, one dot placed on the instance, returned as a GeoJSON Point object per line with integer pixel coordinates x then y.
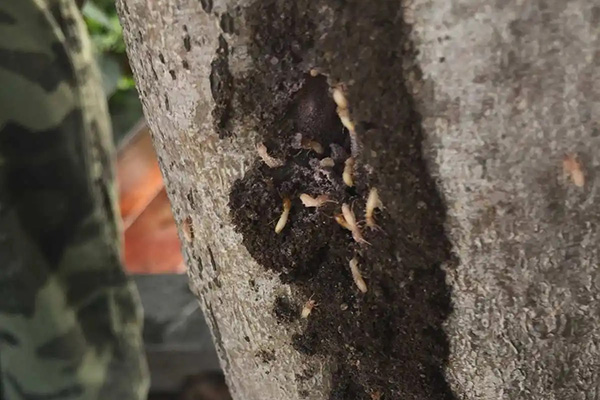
{"type": "Point", "coordinates": [389, 341]}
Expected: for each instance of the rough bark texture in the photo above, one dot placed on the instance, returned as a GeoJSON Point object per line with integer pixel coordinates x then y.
{"type": "Point", "coordinates": [493, 95]}
{"type": "Point", "coordinates": [514, 87]}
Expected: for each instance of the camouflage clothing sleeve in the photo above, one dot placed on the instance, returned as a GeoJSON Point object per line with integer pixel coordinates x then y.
{"type": "Point", "coordinates": [70, 322]}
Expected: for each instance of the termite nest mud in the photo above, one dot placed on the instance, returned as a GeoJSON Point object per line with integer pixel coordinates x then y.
{"type": "Point", "coordinates": [288, 200]}
{"type": "Point", "coordinates": [380, 290]}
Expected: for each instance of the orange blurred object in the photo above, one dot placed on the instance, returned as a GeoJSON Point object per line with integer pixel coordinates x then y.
{"type": "Point", "coordinates": [151, 241]}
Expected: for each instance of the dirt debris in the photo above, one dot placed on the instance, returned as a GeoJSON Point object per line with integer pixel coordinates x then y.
{"type": "Point", "coordinates": [397, 321]}
{"type": "Point", "coordinates": [388, 341]}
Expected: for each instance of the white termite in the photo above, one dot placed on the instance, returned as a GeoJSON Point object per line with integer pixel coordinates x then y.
{"type": "Point", "coordinates": [344, 115]}
{"type": "Point", "coordinates": [287, 205]}
{"type": "Point", "coordinates": [356, 276]}
{"type": "Point", "coordinates": [312, 145]}
{"type": "Point", "coordinates": [271, 161]}
{"type": "Point", "coordinates": [340, 98]}
{"type": "Point", "coordinates": [308, 307]}
{"type": "Point", "coordinates": [373, 202]}
{"type": "Point", "coordinates": [327, 162]}
{"type": "Point", "coordinates": [339, 218]}
{"type": "Point", "coordinates": [348, 174]}
{"type": "Point", "coordinates": [352, 225]}
{"type": "Point", "coordinates": [316, 202]}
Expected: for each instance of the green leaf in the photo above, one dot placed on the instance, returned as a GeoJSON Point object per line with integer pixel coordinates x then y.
{"type": "Point", "coordinates": [125, 83]}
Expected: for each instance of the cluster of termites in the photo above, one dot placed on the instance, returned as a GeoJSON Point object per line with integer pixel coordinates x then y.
{"type": "Point", "coordinates": [346, 218]}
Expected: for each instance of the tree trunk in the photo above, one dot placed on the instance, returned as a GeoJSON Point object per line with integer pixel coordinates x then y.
{"type": "Point", "coordinates": [478, 124]}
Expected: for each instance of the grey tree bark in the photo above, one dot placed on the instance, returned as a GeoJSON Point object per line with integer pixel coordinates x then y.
{"type": "Point", "coordinates": [502, 92]}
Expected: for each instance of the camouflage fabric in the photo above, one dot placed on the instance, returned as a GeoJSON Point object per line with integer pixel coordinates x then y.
{"type": "Point", "coordinates": [70, 319]}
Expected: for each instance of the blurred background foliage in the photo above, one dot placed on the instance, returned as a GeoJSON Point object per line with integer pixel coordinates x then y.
{"type": "Point", "coordinates": [117, 80]}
